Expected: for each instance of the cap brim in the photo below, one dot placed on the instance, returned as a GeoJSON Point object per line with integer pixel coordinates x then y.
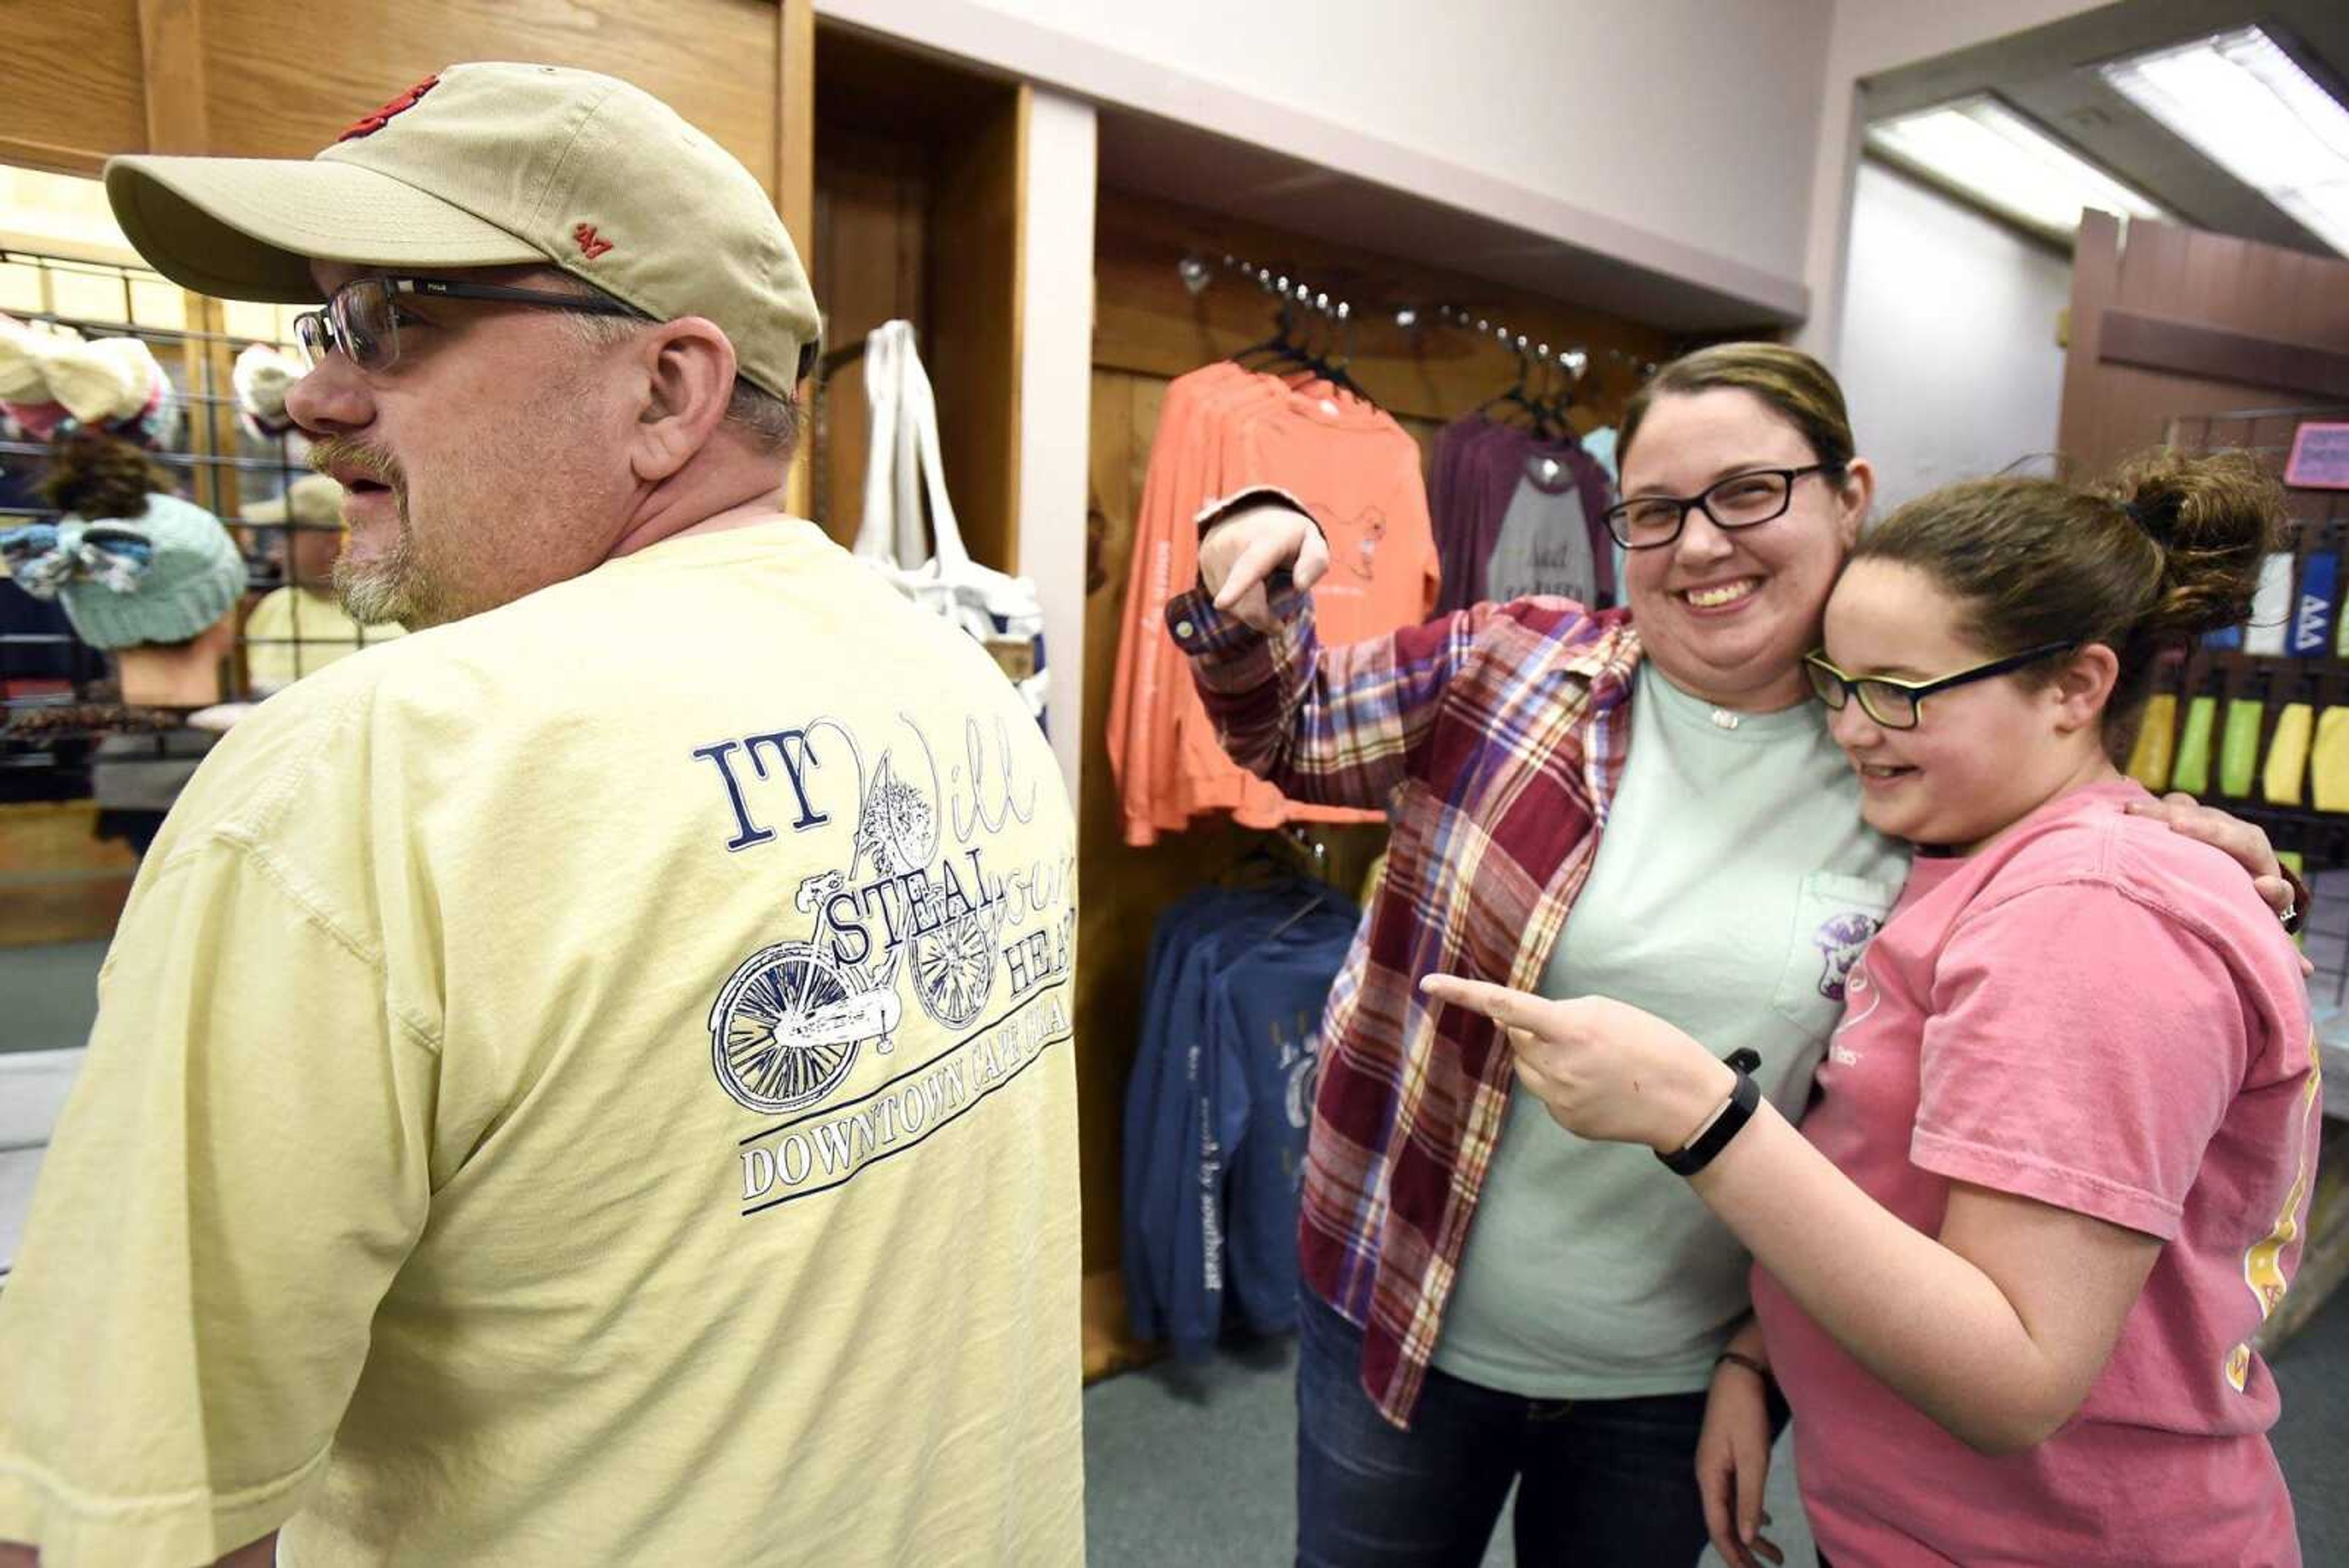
{"type": "Point", "coordinates": [249, 228]}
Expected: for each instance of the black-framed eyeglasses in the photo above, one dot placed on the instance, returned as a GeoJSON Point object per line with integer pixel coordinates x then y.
{"type": "Point", "coordinates": [1899, 704]}
{"type": "Point", "coordinates": [1745, 499]}
{"type": "Point", "coordinates": [362, 318]}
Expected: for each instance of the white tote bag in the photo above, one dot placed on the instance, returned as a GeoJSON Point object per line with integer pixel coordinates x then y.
{"type": "Point", "coordinates": [901, 471]}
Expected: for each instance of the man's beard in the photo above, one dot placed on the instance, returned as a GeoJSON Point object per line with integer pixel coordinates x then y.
{"type": "Point", "coordinates": [388, 590]}
{"type": "Point", "coordinates": [395, 587]}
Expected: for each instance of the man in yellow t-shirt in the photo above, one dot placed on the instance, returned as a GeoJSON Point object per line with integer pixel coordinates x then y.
{"type": "Point", "coordinates": [302, 628]}
{"type": "Point", "coordinates": [591, 1080]}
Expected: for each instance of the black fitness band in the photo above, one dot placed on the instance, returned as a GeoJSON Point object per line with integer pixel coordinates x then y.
{"type": "Point", "coordinates": [1744, 1099]}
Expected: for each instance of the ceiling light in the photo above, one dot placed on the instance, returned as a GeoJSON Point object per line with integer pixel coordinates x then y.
{"type": "Point", "coordinates": [2248, 107]}
{"type": "Point", "coordinates": [1987, 152]}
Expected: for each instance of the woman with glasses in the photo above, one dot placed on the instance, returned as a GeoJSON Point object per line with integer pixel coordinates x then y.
{"type": "Point", "coordinates": [2059, 1167]}
{"type": "Point", "coordinates": [1641, 804]}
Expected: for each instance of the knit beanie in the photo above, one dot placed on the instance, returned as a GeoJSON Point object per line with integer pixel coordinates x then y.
{"type": "Point", "coordinates": [26, 350]}
{"type": "Point", "coordinates": [161, 577]}
{"type": "Point", "coordinates": [104, 380]}
{"type": "Point", "coordinates": [261, 378]}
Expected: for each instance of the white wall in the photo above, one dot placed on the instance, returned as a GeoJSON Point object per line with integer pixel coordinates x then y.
{"type": "Point", "coordinates": [1693, 118]}
{"type": "Point", "coordinates": [1871, 37]}
{"type": "Point", "coordinates": [1677, 135]}
{"type": "Point", "coordinates": [1948, 355]}
{"type": "Point", "coordinates": [1056, 398]}
{"type": "Point", "coordinates": [1710, 140]}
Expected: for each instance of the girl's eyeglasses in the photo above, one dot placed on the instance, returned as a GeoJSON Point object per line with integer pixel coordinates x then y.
{"type": "Point", "coordinates": [1898, 704]}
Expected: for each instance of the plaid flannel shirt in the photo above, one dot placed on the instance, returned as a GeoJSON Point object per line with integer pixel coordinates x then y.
{"type": "Point", "coordinates": [1494, 738]}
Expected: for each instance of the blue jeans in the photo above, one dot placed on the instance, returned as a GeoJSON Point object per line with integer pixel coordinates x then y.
{"type": "Point", "coordinates": [1603, 1483]}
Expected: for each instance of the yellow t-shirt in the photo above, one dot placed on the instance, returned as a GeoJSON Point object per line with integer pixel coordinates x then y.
{"type": "Point", "coordinates": [293, 632]}
{"type": "Point", "coordinates": [591, 1083]}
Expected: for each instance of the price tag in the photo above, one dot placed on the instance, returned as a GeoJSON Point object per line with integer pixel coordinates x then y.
{"type": "Point", "coordinates": [2320, 458]}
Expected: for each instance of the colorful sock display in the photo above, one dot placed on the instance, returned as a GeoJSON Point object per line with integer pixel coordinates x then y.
{"type": "Point", "coordinates": [2287, 762]}
{"type": "Point", "coordinates": [2239, 746]}
{"type": "Point", "coordinates": [2328, 761]}
{"type": "Point", "coordinates": [2149, 759]}
{"type": "Point", "coordinates": [2312, 628]}
{"type": "Point", "coordinates": [2271, 607]}
{"type": "Point", "coordinates": [2192, 769]}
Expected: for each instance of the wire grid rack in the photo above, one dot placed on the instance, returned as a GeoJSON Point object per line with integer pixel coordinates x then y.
{"type": "Point", "coordinates": [57, 695]}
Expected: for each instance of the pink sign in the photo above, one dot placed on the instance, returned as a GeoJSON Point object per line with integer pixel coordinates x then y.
{"type": "Point", "coordinates": [2320, 458]}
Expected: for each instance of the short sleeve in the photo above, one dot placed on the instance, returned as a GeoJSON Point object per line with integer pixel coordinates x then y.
{"type": "Point", "coordinates": [239, 1172]}
{"type": "Point", "coordinates": [2082, 1050]}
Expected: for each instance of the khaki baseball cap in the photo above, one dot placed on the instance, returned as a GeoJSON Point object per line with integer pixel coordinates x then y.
{"type": "Point", "coordinates": [496, 165]}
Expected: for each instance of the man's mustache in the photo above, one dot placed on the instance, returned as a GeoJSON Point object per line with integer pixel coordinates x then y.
{"type": "Point", "coordinates": [343, 452]}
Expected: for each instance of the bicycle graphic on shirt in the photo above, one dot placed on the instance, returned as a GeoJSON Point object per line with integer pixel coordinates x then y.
{"type": "Point", "coordinates": [792, 1021]}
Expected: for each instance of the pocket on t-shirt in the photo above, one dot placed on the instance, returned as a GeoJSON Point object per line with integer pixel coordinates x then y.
{"type": "Point", "coordinates": [1834, 917]}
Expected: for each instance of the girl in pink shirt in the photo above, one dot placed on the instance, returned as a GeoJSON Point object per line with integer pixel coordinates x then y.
{"type": "Point", "coordinates": [2059, 1162]}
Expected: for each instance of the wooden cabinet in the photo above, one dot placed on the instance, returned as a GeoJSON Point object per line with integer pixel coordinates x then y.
{"type": "Point", "coordinates": [918, 197]}
{"type": "Point", "coordinates": [267, 79]}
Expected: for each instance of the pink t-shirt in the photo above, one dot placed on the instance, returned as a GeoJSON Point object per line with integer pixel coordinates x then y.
{"type": "Point", "coordinates": [2097, 1013]}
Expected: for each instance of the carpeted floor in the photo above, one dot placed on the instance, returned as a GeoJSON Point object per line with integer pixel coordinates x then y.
{"type": "Point", "coordinates": [48, 996]}
{"type": "Point", "coordinates": [1192, 1468]}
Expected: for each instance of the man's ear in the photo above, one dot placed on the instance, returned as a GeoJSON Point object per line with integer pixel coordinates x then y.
{"type": "Point", "coordinates": [689, 377]}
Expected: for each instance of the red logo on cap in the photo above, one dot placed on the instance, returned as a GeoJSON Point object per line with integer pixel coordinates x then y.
{"type": "Point", "coordinates": [372, 123]}
{"type": "Point", "coordinates": [593, 243]}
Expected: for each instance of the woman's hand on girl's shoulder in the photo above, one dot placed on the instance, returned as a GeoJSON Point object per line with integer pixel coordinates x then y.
{"type": "Point", "coordinates": [2246, 843]}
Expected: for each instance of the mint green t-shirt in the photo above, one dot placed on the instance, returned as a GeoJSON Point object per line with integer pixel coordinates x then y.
{"type": "Point", "coordinates": [1733, 886]}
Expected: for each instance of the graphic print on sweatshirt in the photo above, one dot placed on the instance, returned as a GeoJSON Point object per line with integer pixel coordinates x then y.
{"type": "Point", "coordinates": [1370, 531]}
{"type": "Point", "coordinates": [934, 952]}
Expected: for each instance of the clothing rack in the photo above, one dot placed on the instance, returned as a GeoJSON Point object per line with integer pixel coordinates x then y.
{"type": "Point", "coordinates": [1196, 273]}
{"type": "Point", "coordinates": [1572, 361]}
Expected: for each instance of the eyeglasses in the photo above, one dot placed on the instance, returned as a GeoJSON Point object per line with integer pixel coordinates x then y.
{"type": "Point", "coordinates": [362, 318]}
{"type": "Point", "coordinates": [1898, 704]}
{"type": "Point", "coordinates": [1742, 501]}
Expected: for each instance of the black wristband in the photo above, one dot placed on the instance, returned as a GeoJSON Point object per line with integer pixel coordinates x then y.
{"type": "Point", "coordinates": [1744, 1099]}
